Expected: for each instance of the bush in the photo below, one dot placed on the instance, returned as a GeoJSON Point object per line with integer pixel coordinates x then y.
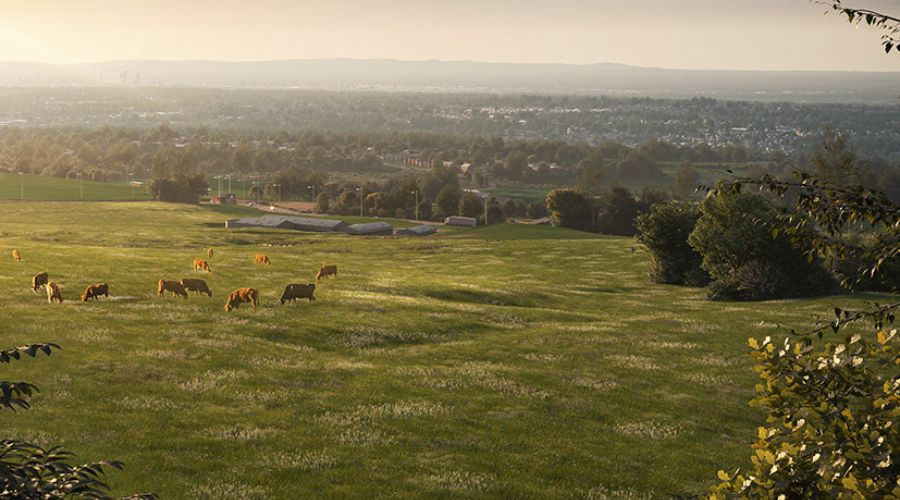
{"type": "Point", "coordinates": [537, 210]}
{"type": "Point", "coordinates": [745, 262]}
{"type": "Point", "coordinates": [470, 205]}
{"type": "Point", "coordinates": [664, 231]}
{"type": "Point", "coordinates": [571, 209]}
{"type": "Point", "coordinates": [179, 188]}
{"type": "Point", "coordinates": [620, 207]}
{"type": "Point", "coordinates": [322, 202]}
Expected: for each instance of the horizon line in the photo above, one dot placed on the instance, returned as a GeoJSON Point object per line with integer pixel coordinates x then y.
{"type": "Point", "coordinates": [440, 61]}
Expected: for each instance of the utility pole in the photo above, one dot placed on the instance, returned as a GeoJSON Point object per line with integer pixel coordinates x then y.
{"type": "Point", "coordinates": [313, 187]}
{"type": "Point", "coordinates": [229, 183]}
{"type": "Point", "coordinates": [360, 191]}
{"type": "Point", "coordinates": [81, 185]}
{"type": "Point", "coordinates": [417, 203]}
{"type": "Point", "coordinates": [486, 211]}
{"type": "Point", "coordinates": [22, 185]}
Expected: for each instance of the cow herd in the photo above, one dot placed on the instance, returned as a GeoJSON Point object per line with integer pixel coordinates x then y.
{"type": "Point", "coordinates": [291, 293]}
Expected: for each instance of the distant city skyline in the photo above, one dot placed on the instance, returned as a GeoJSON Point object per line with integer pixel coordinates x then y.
{"type": "Point", "coordinates": [689, 34]}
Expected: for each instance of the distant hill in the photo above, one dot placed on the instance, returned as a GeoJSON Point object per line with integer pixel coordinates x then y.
{"type": "Point", "coordinates": [468, 76]}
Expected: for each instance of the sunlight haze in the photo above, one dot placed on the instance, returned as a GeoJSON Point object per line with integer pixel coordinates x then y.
{"type": "Point", "coordinates": [691, 34]}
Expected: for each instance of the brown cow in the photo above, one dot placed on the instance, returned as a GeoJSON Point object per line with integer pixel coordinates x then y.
{"type": "Point", "coordinates": [263, 259]}
{"type": "Point", "coordinates": [39, 280]}
{"type": "Point", "coordinates": [95, 291]}
{"type": "Point", "coordinates": [175, 287]}
{"type": "Point", "coordinates": [327, 271]}
{"type": "Point", "coordinates": [196, 285]}
{"type": "Point", "coordinates": [209, 253]}
{"type": "Point", "coordinates": [201, 265]}
{"type": "Point", "coordinates": [241, 296]}
{"type": "Point", "coordinates": [293, 292]}
{"type": "Point", "coordinates": [53, 293]}
{"type": "Point", "coordinates": [16, 255]}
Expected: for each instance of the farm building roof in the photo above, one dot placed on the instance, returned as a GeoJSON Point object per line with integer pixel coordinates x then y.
{"type": "Point", "coordinates": [423, 230]}
{"type": "Point", "coordinates": [370, 228]}
{"type": "Point", "coordinates": [312, 224]}
{"type": "Point", "coordinates": [287, 222]}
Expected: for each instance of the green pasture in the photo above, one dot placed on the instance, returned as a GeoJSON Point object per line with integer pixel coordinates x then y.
{"type": "Point", "coordinates": [509, 361]}
{"type": "Point", "coordinates": [41, 188]}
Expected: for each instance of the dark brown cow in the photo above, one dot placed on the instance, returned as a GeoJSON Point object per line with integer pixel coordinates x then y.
{"type": "Point", "coordinates": [196, 285]}
{"type": "Point", "coordinates": [39, 280]}
{"type": "Point", "coordinates": [242, 296]}
{"type": "Point", "coordinates": [95, 291]}
{"type": "Point", "coordinates": [171, 286]}
{"type": "Point", "coordinates": [293, 292]}
{"type": "Point", "coordinates": [327, 271]}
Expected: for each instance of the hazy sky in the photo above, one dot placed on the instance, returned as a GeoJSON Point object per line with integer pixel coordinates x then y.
{"type": "Point", "coordinates": [709, 34]}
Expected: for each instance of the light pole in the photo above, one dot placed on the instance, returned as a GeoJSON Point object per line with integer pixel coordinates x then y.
{"type": "Point", "coordinates": [218, 179]}
{"type": "Point", "coordinates": [131, 176]}
{"type": "Point", "coordinates": [21, 185]}
{"type": "Point", "coordinates": [81, 185]}
{"type": "Point", "coordinates": [417, 203]}
{"type": "Point", "coordinates": [313, 187]}
{"type": "Point", "coordinates": [229, 183]}
{"type": "Point", "coordinates": [360, 191]}
{"type": "Point", "coordinates": [486, 200]}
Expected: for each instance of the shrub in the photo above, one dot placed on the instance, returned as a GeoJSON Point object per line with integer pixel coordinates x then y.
{"type": "Point", "coordinates": [734, 235]}
{"type": "Point", "coordinates": [470, 205]}
{"type": "Point", "coordinates": [664, 231]}
{"type": "Point", "coordinates": [620, 207]}
{"type": "Point", "coordinates": [322, 202]}
{"type": "Point", "coordinates": [537, 210]}
{"type": "Point", "coordinates": [571, 209]}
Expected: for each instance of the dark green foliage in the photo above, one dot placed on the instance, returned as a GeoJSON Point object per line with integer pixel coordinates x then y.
{"type": "Point", "coordinates": [639, 166]}
{"type": "Point", "coordinates": [495, 212]}
{"type": "Point", "coordinates": [571, 209]}
{"type": "Point", "coordinates": [179, 188]}
{"type": "Point", "coordinates": [745, 262]}
{"type": "Point", "coordinates": [470, 205]}
{"type": "Point", "coordinates": [514, 208]}
{"type": "Point", "coordinates": [664, 231]}
{"type": "Point", "coordinates": [322, 202]}
{"type": "Point", "coordinates": [448, 201]}
{"type": "Point", "coordinates": [537, 210]}
{"type": "Point", "coordinates": [832, 402]}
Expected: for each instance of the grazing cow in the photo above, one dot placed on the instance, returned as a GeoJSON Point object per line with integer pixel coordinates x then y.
{"type": "Point", "coordinates": [241, 296]}
{"type": "Point", "coordinates": [209, 253]}
{"type": "Point", "coordinates": [95, 291]}
{"type": "Point", "coordinates": [16, 255]}
{"type": "Point", "coordinates": [53, 293]}
{"type": "Point", "coordinates": [263, 259]}
{"type": "Point", "coordinates": [175, 287]}
{"type": "Point", "coordinates": [293, 292]}
{"type": "Point", "coordinates": [39, 280]}
{"type": "Point", "coordinates": [327, 271]}
{"type": "Point", "coordinates": [196, 285]}
{"type": "Point", "coordinates": [201, 265]}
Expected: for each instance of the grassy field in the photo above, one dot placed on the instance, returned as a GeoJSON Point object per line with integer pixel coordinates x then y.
{"type": "Point", "coordinates": [526, 194]}
{"type": "Point", "coordinates": [42, 188]}
{"type": "Point", "coordinates": [507, 361]}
